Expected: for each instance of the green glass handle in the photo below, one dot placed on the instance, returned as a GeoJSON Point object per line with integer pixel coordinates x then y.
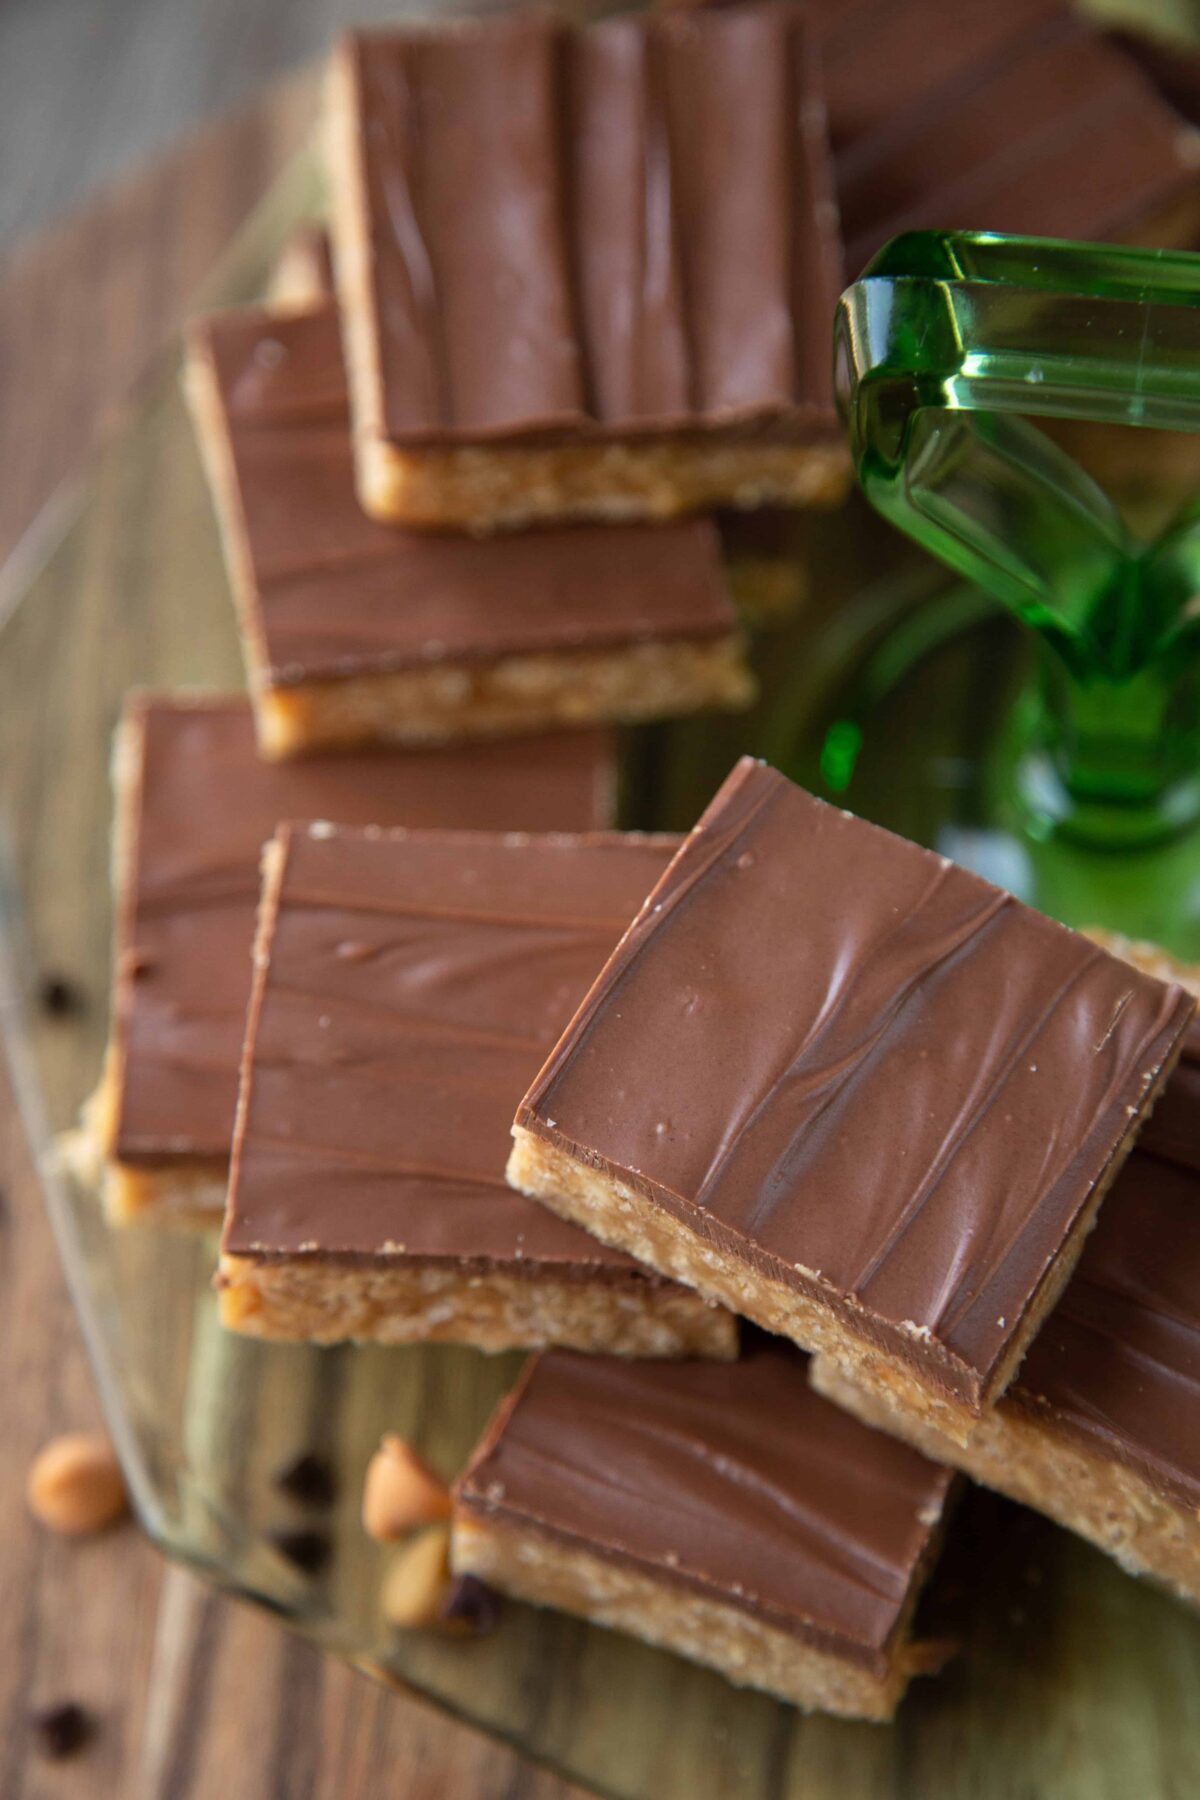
{"type": "Point", "coordinates": [948, 346]}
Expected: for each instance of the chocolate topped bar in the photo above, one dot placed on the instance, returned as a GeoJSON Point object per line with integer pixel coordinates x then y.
{"type": "Point", "coordinates": [959, 114]}
{"type": "Point", "coordinates": [1100, 1430]}
{"type": "Point", "coordinates": [854, 1091]}
{"type": "Point", "coordinates": [197, 806]}
{"type": "Point", "coordinates": [1117, 1364]}
{"type": "Point", "coordinates": [327, 592]}
{"type": "Point", "coordinates": [732, 1482]}
{"type": "Point", "coordinates": [618, 230]}
{"type": "Point", "coordinates": [411, 986]}
{"type": "Point", "coordinates": [407, 986]}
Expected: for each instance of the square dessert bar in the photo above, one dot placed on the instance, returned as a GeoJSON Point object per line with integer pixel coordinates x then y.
{"type": "Point", "coordinates": [721, 1510]}
{"type": "Point", "coordinates": [764, 551]}
{"type": "Point", "coordinates": [194, 807]}
{"type": "Point", "coordinates": [851, 1091]}
{"type": "Point", "coordinates": [1100, 1429]}
{"type": "Point", "coordinates": [586, 273]}
{"type": "Point", "coordinates": [356, 632]}
{"type": "Point", "coordinates": [407, 987]}
{"type": "Point", "coordinates": [959, 114]}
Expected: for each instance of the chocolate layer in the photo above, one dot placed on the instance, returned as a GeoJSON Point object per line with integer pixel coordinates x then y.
{"type": "Point", "coordinates": [959, 114]}
{"type": "Point", "coordinates": [201, 806]}
{"type": "Point", "coordinates": [1173, 1129]}
{"type": "Point", "coordinates": [862, 1071]}
{"type": "Point", "coordinates": [879, 57]}
{"type": "Point", "coordinates": [624, 228]}
{"type": "Point", "coordinates": [735, 1480]}
{"type": "Point", "coordinates": [414, 984]}
{"type": "Point", "coordinates": [1172, 64]}
{"type": "Point", "coordinates": [1117, 1364]}
{"type": "Point", "coordinates": [332, 593]}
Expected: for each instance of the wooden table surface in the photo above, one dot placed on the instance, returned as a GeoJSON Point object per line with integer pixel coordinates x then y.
{"type": "Point", "coordinates": [196, 1696]}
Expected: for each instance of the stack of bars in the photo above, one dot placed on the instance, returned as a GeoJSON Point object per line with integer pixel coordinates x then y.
{"type": "Point", "coordinates": [787, 1070]}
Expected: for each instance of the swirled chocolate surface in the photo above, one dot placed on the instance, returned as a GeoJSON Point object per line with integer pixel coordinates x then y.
{"type": "Point", "coordinates": [735, 1480]}
{"type": "Point", "coordinates": [332, 593]}
{"type": "Point", "coordinates": [962, 115]}
{"type": "Point", "coordinates": [860, 1071]}
{"type": "Point", "coordinates": [413, 984]}
{"type": "Point", "coordinates": [200, 805]}
{"type": "Point", "coordinates": [1117, 1363]}
{"type": "Point", "coordinates": [623, 228]}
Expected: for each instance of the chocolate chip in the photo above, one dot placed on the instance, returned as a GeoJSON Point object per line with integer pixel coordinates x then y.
{"type": "Point", "coordinates": [471, 1606]}
{"type": "Point", "coordinates": [307, 1478]}
{"type": "Point", "coordinates": [308, 1550]}
{"type": "Point", "coordinates": [61, 1731]}
{"type": "Point", "coordinates": [58, 997]}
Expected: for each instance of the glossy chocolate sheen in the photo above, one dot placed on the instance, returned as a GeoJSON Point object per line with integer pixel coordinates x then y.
{"type": "Point", "coordinates": [1117, 1364]}
{"type": "Point", "coordinates": [624, 228]}
{"type": "Point", "coordinates": [337, 594]}
{"type": "Point", "coordinates": [203, 808]}
{"type": "Point", "coordinates": [1173, 1128]}
{"type": "Point", "coordinates": [414, 985]}
{"type": "Point", "coordinates": [734, 1480]}
{"type": "Point", "coordinates": [860, 1070]}
{"type": "Point", "coordinates": [962, 114]}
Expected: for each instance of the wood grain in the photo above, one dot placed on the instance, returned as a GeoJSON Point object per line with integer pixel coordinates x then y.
{"type": "Point", "coordinates": [196, 1697]}
{"type": "Point", "coordinates": [87, 307]}
{"type": "Point", "coordinates": [125, 78]}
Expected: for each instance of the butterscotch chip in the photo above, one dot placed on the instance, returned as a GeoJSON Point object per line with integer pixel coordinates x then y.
{"type": "Point", "coordinates": [417, 1582]}
{"type": "Point", "coordinates": [401, 1492]}
{"type": "Point", "coordinates": [76, 1485]}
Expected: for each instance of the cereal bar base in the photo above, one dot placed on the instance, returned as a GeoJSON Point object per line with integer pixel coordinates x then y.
{"type": "Point", "coordinates": [1110, 1505]}
{"type": "Point", "coordinates": [617, 1215]}
{"type": "Point", "coordinates": [482, 490]}
{"type": "Point", "coordinates": [186, 1193]}
{"type": "Point", "coordinates": [325, 1302]}
{"type": "Point", "coordinates": [531, 1565]}
{"type": "Point", "coordinates": [515, 694]}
